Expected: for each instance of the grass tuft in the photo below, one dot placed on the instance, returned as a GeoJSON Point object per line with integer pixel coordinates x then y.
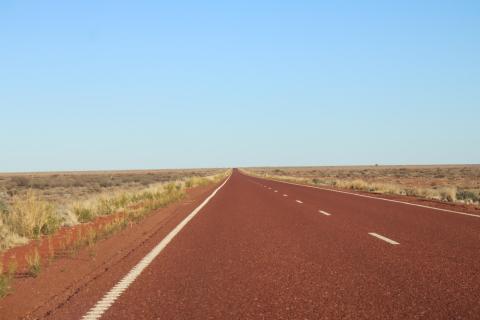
{"type": "Point", "coordinates": [33, 263]}
{"type": "Point", "coordinates": [4, 282]}
{"type": "Point", "coordinates": [31, 217]}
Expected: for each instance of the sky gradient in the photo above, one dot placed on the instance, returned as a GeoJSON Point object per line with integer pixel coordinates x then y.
{"type": "Point", "coordinates": [146, 84]}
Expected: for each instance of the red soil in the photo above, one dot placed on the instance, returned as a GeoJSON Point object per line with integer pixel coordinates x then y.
{"type": "Point", "coordinates": [64, 273]}
{"type": "Point", "coordinates": [57, 245]}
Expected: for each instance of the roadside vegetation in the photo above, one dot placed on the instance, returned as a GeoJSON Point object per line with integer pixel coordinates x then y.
{"type": "Point", "coordinates": [62, 187]}
{"type": "Point", "coordinates": [28, 215]}
{"type": "Point", "coordinates": [4, 282]}
{"type": "Point", "coordinates": [455, 184]}
{"type": "Point", "coordinates": [134, 203]}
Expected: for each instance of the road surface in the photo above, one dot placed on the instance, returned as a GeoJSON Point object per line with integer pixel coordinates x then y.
{"type": "Point", "coordinates": [262, 249]}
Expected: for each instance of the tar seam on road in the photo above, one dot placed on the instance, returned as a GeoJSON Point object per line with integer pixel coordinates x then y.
{"type": "Point", "coordinates": [378, 198]}
{"type": "Point", "coordinates": [109, 298]}
{"type": "Point", "coordinates": [376, 235]}
{"type": "Point", "coordinates": [324, 213]}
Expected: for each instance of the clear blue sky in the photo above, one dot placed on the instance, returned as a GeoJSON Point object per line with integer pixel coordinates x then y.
{"type": "Point", "coordinates": [150, 84]}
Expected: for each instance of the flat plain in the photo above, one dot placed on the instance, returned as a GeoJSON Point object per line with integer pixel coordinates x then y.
{"type": "Point", "coordinates": [75, 185]}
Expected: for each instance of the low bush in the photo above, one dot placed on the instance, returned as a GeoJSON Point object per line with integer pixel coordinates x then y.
{"type": "Point", "coordinates": [3, 207]}
{"type": "Point", "coordinates": [20, 181]}
{"type": "Point", "coordinates": [448, 194]}
{"type": "Point", "coordinates": [83, 214]}
{"type": "Point", "coordinates": [467, 195]}
{"type": "Point", "coordinates": [30, 217]}
{"type": "Point", "coordinates": [9, 238]}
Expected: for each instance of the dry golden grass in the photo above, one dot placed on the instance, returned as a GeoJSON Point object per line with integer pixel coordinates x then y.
{"type": "Point", "coordinates": [8, 238]}
{"type": "Point", "coordinates": [153, 197]}
{"type": "Point", "coordinates": [449, 183]}
{"type": "Point", "coordinates": [33, 263]}
{"type": "Point", "coordinates": [29, 216]}
{"type": "Point", "coordinates": [29, 213]}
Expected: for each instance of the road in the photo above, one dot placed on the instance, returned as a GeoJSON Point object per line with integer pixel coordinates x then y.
{"type": "Point", "coordinates": [263, 249]}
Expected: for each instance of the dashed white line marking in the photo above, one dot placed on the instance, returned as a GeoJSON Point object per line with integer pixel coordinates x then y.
{"type": "Point", "coordinates": [275, 191]}
{"type": "Point", "coordinates": [299, 201]}
{"type": "Point", "coordinates": [382, 199]}
{"type": "Point", "coordinates": [109, 298]}
{"type": "Point", "coordinates": [324, 213]}
{"type": "Point", "coordinates": [376, 235]}
{"type": "Point", "coordinates": [285, 195]}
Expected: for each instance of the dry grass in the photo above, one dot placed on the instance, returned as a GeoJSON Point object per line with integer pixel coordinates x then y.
{"type": "Point", "coordinates": [33, 263]}
{"type": "Point", "coordinates": [28, 214]}
{"type": "Point", "coordinates": [30, 217]}
{"type": "Point", "coordinates": [145, 200]}
{"type": "Point", "coordinates": [4, 282]}
{"type": "Point", "coordinates": [62, 187]}
{"type": "Point", "coordinates": [8, 238]}
{"type": "Point", "coordinates": [446, 183]}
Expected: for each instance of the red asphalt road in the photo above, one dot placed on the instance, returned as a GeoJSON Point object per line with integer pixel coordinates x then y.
{"type": "Point", "coordinates": [253, 253]}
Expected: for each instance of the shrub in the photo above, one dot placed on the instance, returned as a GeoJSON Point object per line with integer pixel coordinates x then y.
{"type": "Point", "coordinates": [3, 207]}
{"type": "Point", "coordinates": [30, 217]}
{"type": "Point", "coordinates": [7, 237]}
{"type": "Point", "coordinates": [387, 188]}
{"type": "Point", "coordinates": [200, 181]}
{"type": "Point", "coordinates": [83, 214]}
{"type": "Point", "coordinates": [20, 181]}
{"type": "Point", "coordinates": [468, 195]}
{"type": "Point", "coordinates": [170, 187]}
{"type": "Point", "coordinates": [448, 194]}
{"type": "Point", "coordinates": [105, 206]}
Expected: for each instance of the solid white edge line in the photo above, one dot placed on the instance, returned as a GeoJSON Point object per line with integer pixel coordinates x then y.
{"type": "Point", "coordinates": [299, 201]}
{"type": "Point", "coordinates": [324, 213]}
{"type": "Point", "coordinates": [109, 298]}
{"type": "Point", "coordinates": [376, 235]}
{"type": "Point", "coordinates": [378, 198]}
